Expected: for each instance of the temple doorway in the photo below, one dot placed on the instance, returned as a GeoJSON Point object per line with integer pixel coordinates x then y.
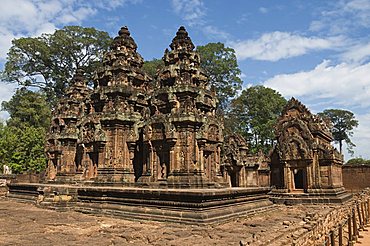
{"type": "Point", "coordinates": [298, 179]}
{"type": "Point", "coordinates": [234, 173]}
{"type": "Point", "coordinates": [234, 178]}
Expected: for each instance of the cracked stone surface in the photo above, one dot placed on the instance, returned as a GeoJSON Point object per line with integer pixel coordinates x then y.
{"type": "Point", "coordinates": [26, 224]}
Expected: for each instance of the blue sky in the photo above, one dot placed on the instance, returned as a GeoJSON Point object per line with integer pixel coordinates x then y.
{"type": "Point", "coordinates": [317, 51]}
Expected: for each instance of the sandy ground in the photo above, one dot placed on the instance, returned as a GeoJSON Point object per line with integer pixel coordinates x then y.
{"type": "Point", "coordinates": [365, 237]}
{"type": "Point", "coordinates": [25, 224]}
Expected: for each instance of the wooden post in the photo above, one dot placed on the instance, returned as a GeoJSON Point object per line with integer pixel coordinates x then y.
{"type": "Point", "coordinates": [366, 210]}
{"type": "Point", "coordinates": [350, 238]}
{"type": "Point", "coordinates": [332, 238]}
{"type": "Point", "coordinates": [355, 231]}
{"type": "Point", "coordinates": [363, 214]}
{"type": "Point", "coordinates": [359, 215]}
{"type": "Point", "coordinates": [340, 235]}
{"type": "Point", "coordinates": [327, 243]}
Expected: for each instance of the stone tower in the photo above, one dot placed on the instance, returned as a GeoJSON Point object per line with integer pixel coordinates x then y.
{"type": "Point", "coordinates": [183, 136]}
{"type": "Point", "coordinates": [117, 104]}
{"type": "Point", "coordinates": [63, 134]}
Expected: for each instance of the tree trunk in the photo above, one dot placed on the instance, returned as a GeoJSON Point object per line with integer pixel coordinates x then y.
{"type": "Point", "coordinates": [340, 146]}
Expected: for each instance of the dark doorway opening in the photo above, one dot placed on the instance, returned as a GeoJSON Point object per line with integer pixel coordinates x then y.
{"type": "Point", "coordinates": [298, 179]}
{"type": "Point", "coordinates": [234, 177]}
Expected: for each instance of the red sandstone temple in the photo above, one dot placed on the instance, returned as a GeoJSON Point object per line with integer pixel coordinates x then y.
{"type": "Point", "coordinates": [158, 132]}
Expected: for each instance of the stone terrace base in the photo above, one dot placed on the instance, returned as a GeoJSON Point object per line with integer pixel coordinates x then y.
{"type": "Point", "coordinates": [190, 206]}
{"type": "Point", "coordinates": [312, 196]}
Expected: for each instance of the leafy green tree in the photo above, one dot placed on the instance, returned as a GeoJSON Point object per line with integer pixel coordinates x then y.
{"type": "Point", "coordinates": [358, 161]}
{"type": "Point", "coordinates": [344, 122]}
{"type": "Point", "coordinates": [22, 138]}
{"type": "Point", "coordinates": [8, 143]}
{"type": "Point", "coordinates": [22, 150]}
{"type": "Point", "coordinates": [222, 67]}
{"type": "Point", "coordinates": [254, 114]}
{"type": "Point", "coordinates": [27, 108]}
{"type": "Point", "coordinates": [48, 62]}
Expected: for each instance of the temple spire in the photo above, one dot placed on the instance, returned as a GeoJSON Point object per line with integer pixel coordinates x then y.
{"type": "Point", "coordinates": [182, 40]}
{"type": "Point", "coordinates": [124, 39]}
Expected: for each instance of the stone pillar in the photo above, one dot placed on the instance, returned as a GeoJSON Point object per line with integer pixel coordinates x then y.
{"type": "Point", "coordinates": [172, 157]}
{"type": "Point", "coordinates": [316, 169]}
{"type": "Point", "coordinates": [309, 174]}
{"type": "Point", "coordinates": [287, 177]}
{"type": "Point", "coordinates": [201, 157]}
{"type": "Point", "coordinates": [129, 174]}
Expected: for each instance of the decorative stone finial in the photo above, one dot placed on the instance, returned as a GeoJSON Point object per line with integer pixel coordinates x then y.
{"type": "Point", "coordinates": [79, 78]}
{"type": "Point", "coordinates": [124, 31]}
{"type": "Point", "coordinates": [124, 39]}
{"type": "Point", "coordinates": [182, 40]}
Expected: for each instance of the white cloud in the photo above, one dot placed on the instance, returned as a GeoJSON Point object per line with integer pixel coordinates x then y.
{"type": "Point", "coordinates": [215, 33]}
{"type": "Point", "coordinates": [343, 16]}
{"type": "Point", "coordinates": [112, 4]}
{"type": "Point", "coordinates": [277, 45]}
{"type": "Point", "coordinates": [343, 84]}
{"type": "Point", "coordinates": [191, 11]}
{"type": "Point", "coordinates": [75, 15]}
{"type": "Point", "coordinates": [358, 53]}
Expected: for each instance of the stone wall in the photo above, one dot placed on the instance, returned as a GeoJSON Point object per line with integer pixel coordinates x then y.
{"type": "Point", "coordinates": [356, 178]}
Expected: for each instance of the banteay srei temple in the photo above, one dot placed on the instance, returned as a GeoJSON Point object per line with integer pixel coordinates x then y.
{"type": "Point", "coordinates": [155, 148]}
{"type": "Point", "coordinates": [126, 132]}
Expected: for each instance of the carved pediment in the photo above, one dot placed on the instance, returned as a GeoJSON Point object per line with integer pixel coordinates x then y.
{"type": "Point", "coordinates": [299, 133]}
{"type": "Point", "coordinates": [235, 150]}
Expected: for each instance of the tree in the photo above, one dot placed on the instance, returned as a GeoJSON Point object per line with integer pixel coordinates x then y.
{"type": "Point", "coordinates": [343, 124]}
{"type": "Point", "coordinates": [254, 114]}
{"type": "Point", "coordinates": [22, 150]}
{"type": "Point", "coordinates": [221, 65]}
{"type": "Point", "coordinates": [358, 161]}
{"type": "Point", "coordinates": [22, 138]}
{"type": "Point", "coordinates": [27, 108]}
{"type": "Point", "coordinates": [48, 62]}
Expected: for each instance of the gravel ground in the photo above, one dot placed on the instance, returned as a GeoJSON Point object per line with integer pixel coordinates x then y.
{"type": "Point", "coordinates": [26, 224]}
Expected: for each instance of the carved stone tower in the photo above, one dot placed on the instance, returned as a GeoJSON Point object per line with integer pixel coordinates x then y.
{"type": "Point", "coordinates": [63, 134]}
{"type": "Point", "coordinates": [183, 135]}
{"type": "Point", "coordinates": [120, 97]}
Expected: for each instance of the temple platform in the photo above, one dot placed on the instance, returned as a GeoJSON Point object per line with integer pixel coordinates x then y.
{"type": "Point", "coordinates": [189, 206]}
{"type": "Point", "coordinates": [312, 196]}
